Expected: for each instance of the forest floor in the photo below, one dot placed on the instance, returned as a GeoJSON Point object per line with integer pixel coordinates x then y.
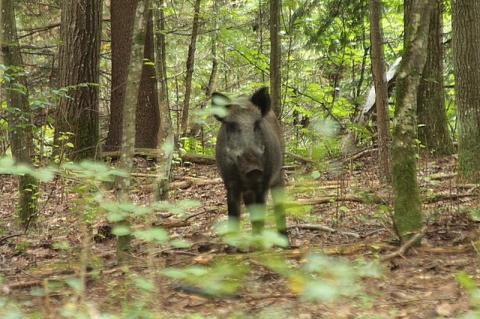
{"type": "Point", "coordinates": [346, 200]}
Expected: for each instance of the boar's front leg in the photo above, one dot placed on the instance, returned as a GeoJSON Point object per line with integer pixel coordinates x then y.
{"type": "Point", "coordinates": [256, 207]}
{"type": "Point", "coordinates": [278, 198]}
{"type": "Point", "coordinates": [233, 206]}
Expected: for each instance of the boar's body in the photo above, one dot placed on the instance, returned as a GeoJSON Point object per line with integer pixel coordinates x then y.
{"type": "Point", "coordinates": [249, 155]}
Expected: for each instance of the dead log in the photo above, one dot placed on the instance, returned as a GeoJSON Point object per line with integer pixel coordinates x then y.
{"type": "Point", "coordinates": [187, 182]}
{"type": "Point", "coordinates": [199, 159]}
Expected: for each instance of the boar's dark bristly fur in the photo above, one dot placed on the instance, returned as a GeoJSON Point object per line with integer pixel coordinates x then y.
{"type": "Point", "coordinates": [249, 155]}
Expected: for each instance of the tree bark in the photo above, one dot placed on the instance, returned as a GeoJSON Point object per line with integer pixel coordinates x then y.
{"type": "Point", "coordinates": [408, 215]}
{"type": "Point", "coordinates": [433, 130]}
{"type": "Point", "coordinates": [381, 89]}
{"type": "Point", "coordinates": [18, 111]}
{"type": "Point", "coordinates": [79, 71]}
{"type": "Point", "coordinates": [147, 109]}
{"type": "Point", "coordinates": [466, 58]}
{"type": "Point", "coordinates": [132, 87]}
{"type": "Point", "coordinates": [275, 57]}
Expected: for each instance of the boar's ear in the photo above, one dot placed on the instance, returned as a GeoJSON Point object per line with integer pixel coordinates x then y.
{"type": "Point", "coordinates": [219, 104]}
{"type": "Point", "coordinates": [261, 99]}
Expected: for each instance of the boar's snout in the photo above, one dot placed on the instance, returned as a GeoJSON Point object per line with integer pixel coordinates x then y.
{"type": "Point", "coordinates": [251, 164]}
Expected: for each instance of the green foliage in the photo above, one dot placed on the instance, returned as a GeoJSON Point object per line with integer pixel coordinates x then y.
{"type": "Point", "coordinates": [10, 310]}
{"type": "Point", "coordinates": [8, 166]}
{"type": "Point", "coordinates": [469, 283]}
{"type": "Point", "coordinates": [317, 277]}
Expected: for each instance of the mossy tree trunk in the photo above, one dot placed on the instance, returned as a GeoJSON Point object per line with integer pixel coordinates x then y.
{"type": "Point", "coordinates": [18, 111]}
{"type": "Point", "coordinates": [408, 215]}
{"type": "Point", "coordinates": [466, 53]}
{"type": "Point", "coordinates": [433, 130]}
{"type": "Point", "coordinates": [79, 71]}
{"type": "Point", "coordinates": [132, 87]}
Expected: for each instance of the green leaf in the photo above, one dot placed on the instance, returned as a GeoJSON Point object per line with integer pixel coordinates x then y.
{"type": "Point", "coordinates": [315, 175]}
{"type": "Point", "coordinates": [75, 284]}
{"type": "Point", "coordinates": [121, 230]}
{"type": "Point", "coordinates": [63, 245]}
{"type": "Point", "coordinates": [116, 217]}
{"type": "Point", "coordinates": [319, 290]}
{"type": "Point", "coordinates": [220, 100]}
{"type": "Point", "coordinates": [144, 283]}
{"type": "Point", "coordinates": [180, 243]}
{"type": "Point", "coordinates": [157, 235]}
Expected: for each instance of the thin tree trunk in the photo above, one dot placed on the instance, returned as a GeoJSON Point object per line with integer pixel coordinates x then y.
{"type": "Point", "coordinates": [190, 68]}
{"type": "Point", "coordinates": [165, 138]}
{"type": "Point", "coordinates": [18, 111]}
{"type": "Point", "coordinates": [258, 27]}
{"type": "Point", "coordinates": [408, 215]}
{"type": "Point", "coordinates": [214, 70]}
{"type": "Point", "coordinates": [381, 89]}
{"type": "Point", "coordinates": [129, 115]}
{"type": "Point", "coordinates": [275, 57]}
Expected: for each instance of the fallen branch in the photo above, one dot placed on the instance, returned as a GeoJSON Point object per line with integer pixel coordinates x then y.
{"type": "Point", "coordinates": [40, 282]}
{"type": "Point", "coordinates": [441, 176]}
{"type": "Point", "coordinates": [201, 213]}
{"type": "Point", "coordinates": [188, 182]}
{"type": "Point", "coordinates": [300, 158]}
{"type": "Point", "coordinates": [371, 199]}
{"type": "Point", "coordinates": [324, 228]}
{"type": "Point", "coordinates": [409, 244]}
{"type": "Point", "coordinates": [199, 159]}
{"type": "Point", "coordinates": [442, 197]}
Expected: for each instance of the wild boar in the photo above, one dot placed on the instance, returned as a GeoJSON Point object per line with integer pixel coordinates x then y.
{"type": "Point", "coordinates": [249, 155]}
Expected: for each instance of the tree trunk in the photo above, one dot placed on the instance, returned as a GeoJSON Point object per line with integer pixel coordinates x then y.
{"type": "Point", "coordinates": [147, 109]}
{"type": "Point", "coordinates": [79, 71]}
{"type": "Point", "coordinates": [190, 67]}
{"type": "Point", "coordinates": [165, 134]}
{"type": "Point", "coordinates": [466, 58]}
{"type": "Point", "coordinates": [132, 87]}
{"type": "Point", "coordinates": [18, 111]}
{"type": "Point", "coordinates": [381, 89]}
{"type": "Point", "coordinates": [275, 57]}
{"type": "Point", "coordinates": [433, 130]}
{"type": "Point", "coordinates": [408, 215]}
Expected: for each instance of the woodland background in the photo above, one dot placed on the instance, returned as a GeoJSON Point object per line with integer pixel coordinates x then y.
{"type": "Point", "coordinates": [109, 192]}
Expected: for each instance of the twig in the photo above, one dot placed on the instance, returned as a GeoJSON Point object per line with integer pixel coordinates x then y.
{"type": "Point", "coordinates": [10, 236]}
{"type": "Point", "coordinates": [474, 245]}
{"type": "Point", "coordinates": [201, 213]}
